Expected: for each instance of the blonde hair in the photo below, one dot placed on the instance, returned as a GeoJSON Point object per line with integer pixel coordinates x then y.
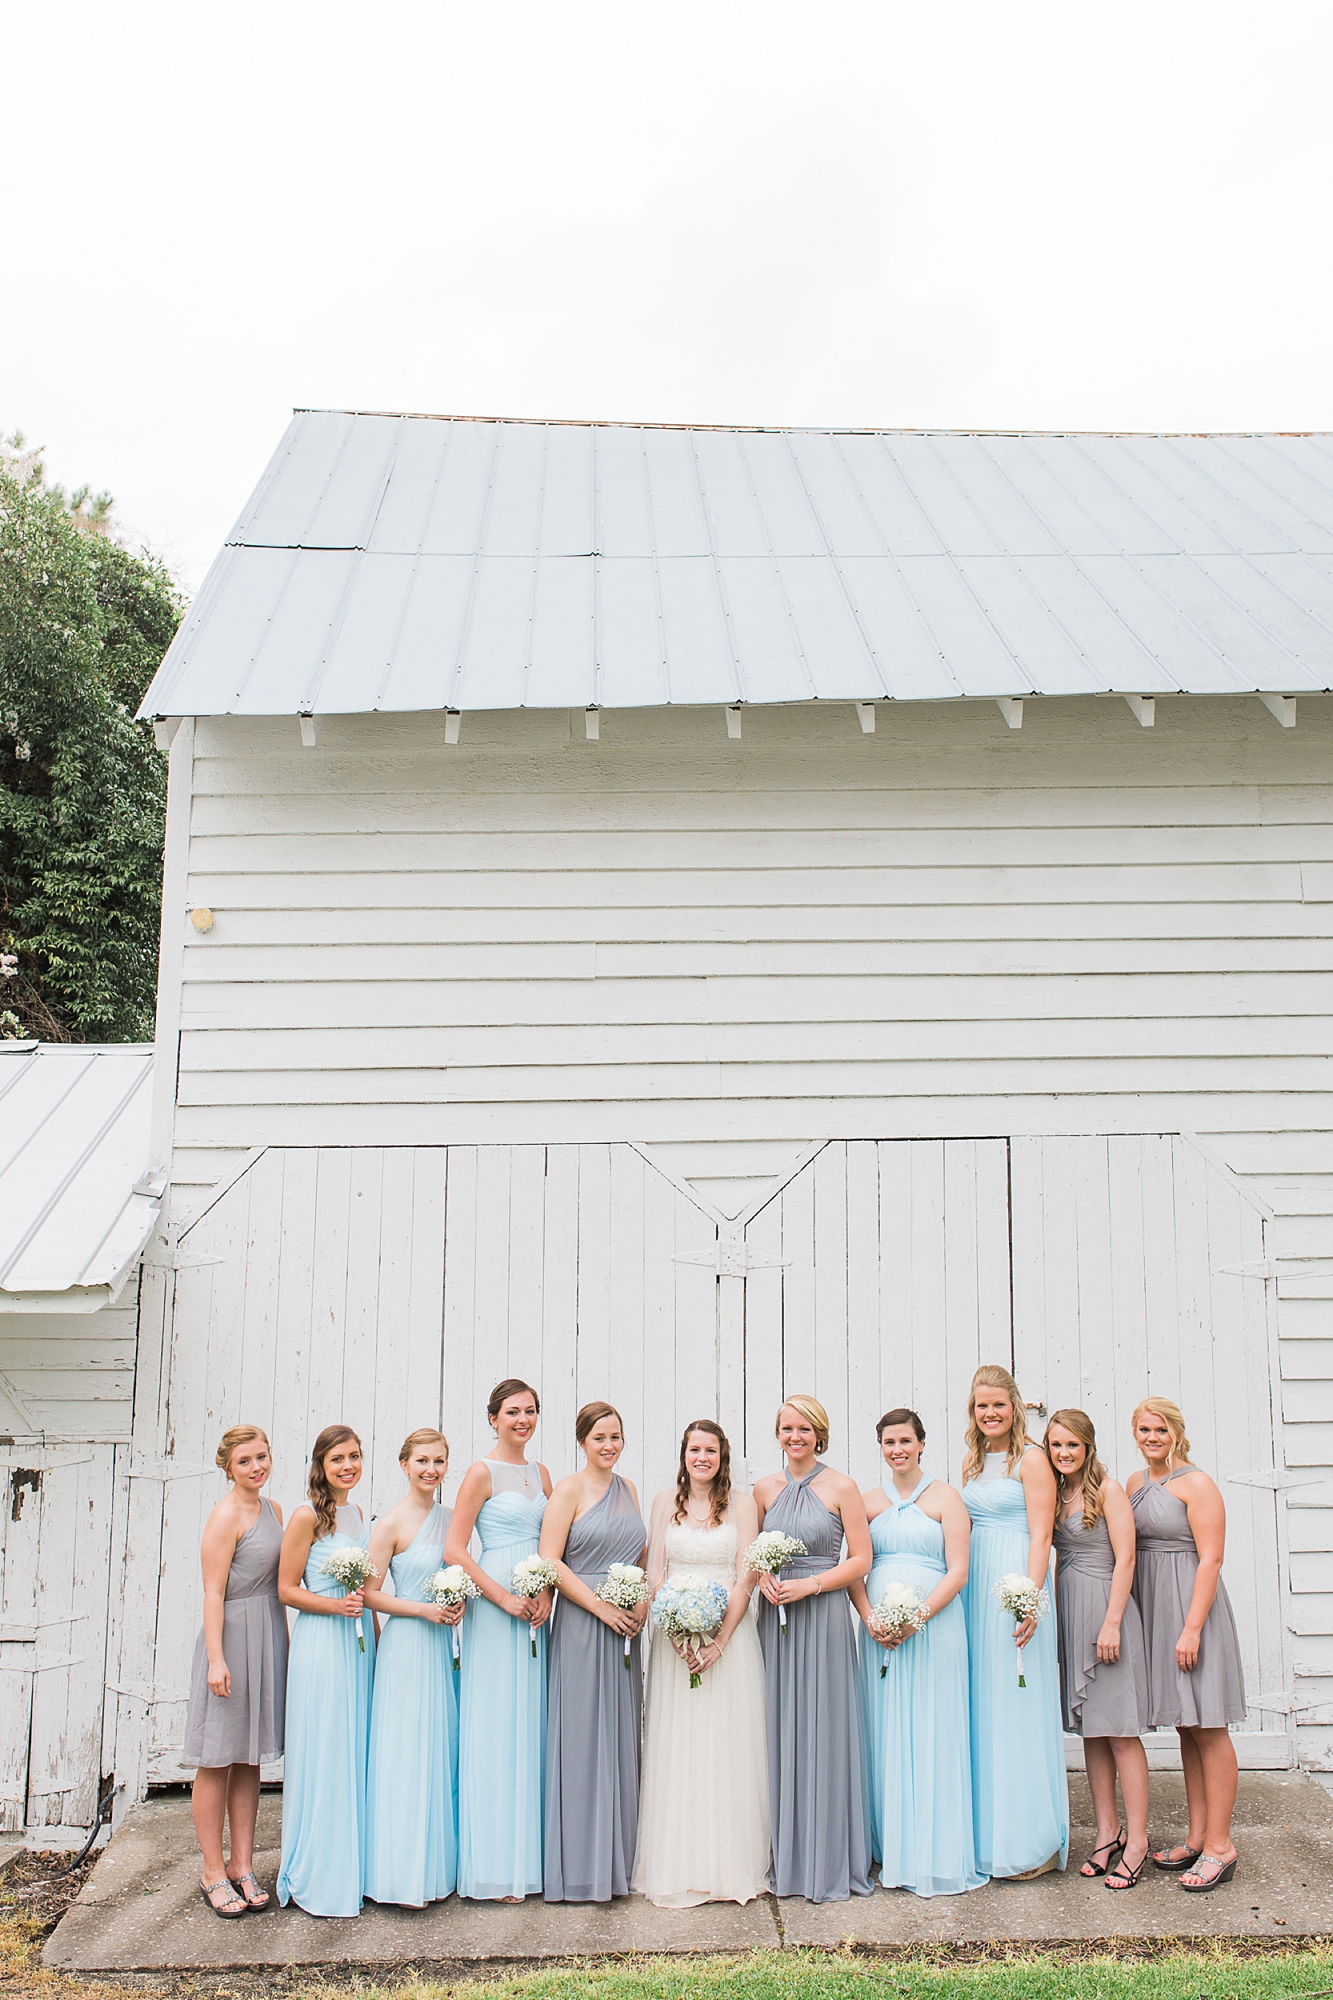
{"type": "Point", "coordinates": [814, 1414]}
{"type": "Point", "coordinates": [232, 1440]}
{"type": "Point", "coordinates": [1173, 1417]}
{"type": "Point", "coordinates": [1093, 1475]}
{"type": "Point", "coordinates": [992, 1376]}
{"type": "Point", "coordinates": [424, 1436]}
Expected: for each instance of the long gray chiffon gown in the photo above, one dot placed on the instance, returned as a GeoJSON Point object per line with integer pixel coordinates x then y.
{"type": "Point", "coordinates": [1213, 1694]}
{"type": "Point", "coordinates": [1099, 1698]}
{"type": "Point", "coordinates": [245, 1727]}
{"type": "Point", "coordinates": [594, 1704]}
{"type": "Point", "coordinates": [819, 1785]}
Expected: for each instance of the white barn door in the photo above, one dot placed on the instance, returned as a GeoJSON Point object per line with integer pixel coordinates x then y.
{"type": "Point", "coordinates": [1126, 1283]}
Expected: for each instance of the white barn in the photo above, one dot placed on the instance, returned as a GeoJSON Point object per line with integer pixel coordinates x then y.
{"type": "Point", "coordinates": [683, 913]}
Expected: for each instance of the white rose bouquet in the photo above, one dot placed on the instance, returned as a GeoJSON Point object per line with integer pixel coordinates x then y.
{"type": "Point", "coordinates": [625, 1585]}
{"type": "Point", "coordinates": [449, 1587]}
{"type": "Point", "coordinates": [1021, 1598]}
{"type": "Point", "coordinates": [353, 1569]}
{"type": "Point", "coordinates": [530, 1577]}
{"type": "Point", "coordinates": [899, 1609]}
{"type": "Point", "coordinates": [770, 1553]}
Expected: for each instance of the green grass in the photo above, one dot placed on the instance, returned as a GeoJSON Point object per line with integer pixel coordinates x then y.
{"type": "Point", "coordinates": [1174, 1974]}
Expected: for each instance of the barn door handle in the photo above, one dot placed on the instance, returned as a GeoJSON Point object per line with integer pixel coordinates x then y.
{"type": "Point", "coordinates": [1040, 1408]}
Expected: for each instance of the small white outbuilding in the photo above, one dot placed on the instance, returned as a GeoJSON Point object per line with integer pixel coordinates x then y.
{"type": "Point", "coordinates": [683, 914]}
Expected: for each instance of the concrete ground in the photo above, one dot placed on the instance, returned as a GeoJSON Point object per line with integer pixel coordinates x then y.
{"type": "Point", "coordinates": [141, 1910]}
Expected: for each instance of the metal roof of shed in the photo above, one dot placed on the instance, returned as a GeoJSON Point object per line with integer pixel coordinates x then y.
{"type": "Point", "coordinates": [409, 562]}
{"type": "Point", "coordinates": [77, 1202]}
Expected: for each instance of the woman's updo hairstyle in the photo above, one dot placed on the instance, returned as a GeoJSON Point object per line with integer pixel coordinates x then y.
{"type": "Point", "coordinates": [424, 1436]}
{"type": "Point", "coordinates": [322, 1496]}
{"type": "Point", "coordinates": [511, 1386]}
{"type": "Point", "coordinates": [1173, 1417]}
{"type": "Point", "coordinates": [893, 1420]}
{"type": "Point", "coordinates": [590, 1416]}
{"type": "Point", "coordinates": [232, 1440]}
{"type": "Point", "coordinates": [815, 1415]}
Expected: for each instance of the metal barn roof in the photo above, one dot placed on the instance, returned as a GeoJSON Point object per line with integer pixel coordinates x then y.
{"type": "Point", "coordinates": [408, 562]}
{"type": "Point", "coordinates": [76, 1200]}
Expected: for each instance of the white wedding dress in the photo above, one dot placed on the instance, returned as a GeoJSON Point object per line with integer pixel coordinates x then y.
{"type": "Point", "coordinates": [703, 1805]}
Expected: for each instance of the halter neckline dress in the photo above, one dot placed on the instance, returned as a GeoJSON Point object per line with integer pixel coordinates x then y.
{"type": "Point", "coordinates": [1212, 1696]}
{"type": "Point", "coordinates": [819, 1790]}
{"type": "Point", "coordinates": [247, 1726]}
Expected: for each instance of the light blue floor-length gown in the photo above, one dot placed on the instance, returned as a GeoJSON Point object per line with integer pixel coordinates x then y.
{"type": "Point", "coordinates": [917, 1723]}
{"type": "Point", "coordinates": [502, 1707]}
{"type": "Point", "coordinates": [1020, 1796]}
{"type": "Point", "coordinates": [329, 1681]}
{"type": "Point", "coordinates": [412, 1790]}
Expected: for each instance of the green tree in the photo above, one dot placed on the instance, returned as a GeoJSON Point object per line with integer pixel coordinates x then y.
{"type": "Point", "coordinates": [84, 622]}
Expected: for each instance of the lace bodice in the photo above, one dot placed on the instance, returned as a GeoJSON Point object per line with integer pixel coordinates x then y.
{"type": "Point", "coordinates": [706, 1553]}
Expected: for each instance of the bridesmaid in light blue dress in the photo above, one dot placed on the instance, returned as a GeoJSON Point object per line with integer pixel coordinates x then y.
{"type": "Point", "coordinates": [1020, 1796]}
{"type": "Point", "coordinates": [329, 1680]}
{"type": "Point", "coordinates": [502, 1699]}
{"type": "Point", "coordinates": [915, 1691]}
{"type": "Point", "coordinates": [412, 1796]}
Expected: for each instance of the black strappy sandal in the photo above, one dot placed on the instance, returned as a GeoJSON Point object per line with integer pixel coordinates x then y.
{"type": "Point", "coordinates": [1122, 1876]}
{"type": "Point", "coordinates": [1189, 1855]}
{"type": "Point", "coordinates": [1112, 1849]}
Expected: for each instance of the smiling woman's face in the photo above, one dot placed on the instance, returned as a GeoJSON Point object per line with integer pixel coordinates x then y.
{"type": "Point", "coordinates": [994, 1413]}
{"type": "Point", "coordinates": [703, 1456]}
{"type": "Point", "coordinates": [604, 1443]}
{"type": "Point", "coordinates": [250, 1465]}
{"type": "Point", "coordinates": [1068, 1453]}
{"type": "Point", "coordinates": [796, 1433]}
{"type": "Point", "coordinates": [427, 1465]}
{"type": "Point", "coordinates": [901, 1448]}
{"type": "Point", "coordinates": [342, 1466]}
{"type": "Point", "coordinates": [516, 1419]}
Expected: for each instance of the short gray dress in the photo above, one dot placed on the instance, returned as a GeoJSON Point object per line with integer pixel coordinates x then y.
{"type": "Point", "coordinates": [1099, 1698]}
{"type": "Point", "coordinates": [818, 1776]}
{"type": "Point", "coordinates": [1213, 1695]}
{"type": "Point", "coordinates": [594, 1707]}
{"type": "Point", "coordinates": [246, 1727]}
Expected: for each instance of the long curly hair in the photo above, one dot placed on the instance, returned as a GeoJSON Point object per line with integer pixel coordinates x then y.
{"type": "Point", "coordinates": [992, 1376]}
{"type": "Point", "coordinates": [1094, 1472]}
{"type": "Point", "coordinates": [721, 1494]}
{"type": "Point", "coordinates": [322, 1496]}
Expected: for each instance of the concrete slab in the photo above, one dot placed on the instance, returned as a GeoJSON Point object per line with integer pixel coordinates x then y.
{"type": "Point", "coordinates": [140, 1910]}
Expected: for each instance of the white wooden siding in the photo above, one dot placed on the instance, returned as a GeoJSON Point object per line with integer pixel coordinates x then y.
{"type": "Point", "coordinates": [68, 1374]}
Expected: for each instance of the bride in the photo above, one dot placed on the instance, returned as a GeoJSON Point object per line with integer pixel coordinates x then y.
{"type": "Point", "coordinates": [710, 1742]}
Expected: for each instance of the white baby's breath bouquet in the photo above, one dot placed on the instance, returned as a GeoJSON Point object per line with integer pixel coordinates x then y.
{"type": "Point", "coordinates": [769, 1553]}
{"type": "Point", "coordinates": [1021, 1598]}
{"type": "Point", "coordinates": [899, 1609]}
{"type": "Point", "coordinates": [529, 1578]}
{"type": "Point", "coordinates": [352, 1568]}
{"type": "Point", "coordinates": [625, 1585]}
{"type": "Point", "coordinates": [449, 1587]}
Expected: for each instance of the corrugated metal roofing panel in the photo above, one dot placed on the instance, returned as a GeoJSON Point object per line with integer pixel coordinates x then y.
{"type": "Point", "coordinates": [75, 1123]}
{"type": "Point", "coordinates": [407, 562]}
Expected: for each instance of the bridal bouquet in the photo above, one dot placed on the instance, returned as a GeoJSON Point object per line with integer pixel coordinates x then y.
{"type": "Point", "coordinates": [352, 1568]}
{"type": "Point", "coordinates": [770, 1553]}
{"type": "Point", "coordinates": [1021, 1598]}
{"type": "Point", "coordinates": [451, 1586]}
{"type": "Point", "coordinates": [625, 1586]}
{"type": "Point", "coordinates": [898, 1610]}
{"type": "Point", "coordinates": [688, 1612]}
{"type": "Point", "coordinates": [531, 1576]}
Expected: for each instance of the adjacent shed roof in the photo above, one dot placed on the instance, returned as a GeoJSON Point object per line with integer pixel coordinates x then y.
{"type": "Point", "coordinates": [77, 1201]}
{"type": "Point", "coordinates": [407, 562]}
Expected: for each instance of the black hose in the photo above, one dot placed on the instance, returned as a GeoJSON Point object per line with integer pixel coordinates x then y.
{"type": "Point", "coordinates": [103, 1815]}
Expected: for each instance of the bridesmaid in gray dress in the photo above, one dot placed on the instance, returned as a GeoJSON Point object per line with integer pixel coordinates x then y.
{"type": "Point", "coordinates": [818, 1780]}
{"type": "Point", "coordinates": [1103, 1668]}
{"type": "Point", "coordinates": [1194, 1668]}
{"type": "Point", "coordinates": [238, 1684]}
{"type": "Point", "coordinates": [593, 1703]}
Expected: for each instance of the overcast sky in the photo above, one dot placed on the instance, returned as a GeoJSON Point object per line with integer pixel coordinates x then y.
{"type": "Point", "coordinates": [941, 213]}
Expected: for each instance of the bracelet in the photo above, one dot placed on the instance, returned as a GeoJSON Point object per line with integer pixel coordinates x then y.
{"type": "Point", "coordinates": [819, 1587]}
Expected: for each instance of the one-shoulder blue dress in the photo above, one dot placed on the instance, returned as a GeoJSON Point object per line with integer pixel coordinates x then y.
{"type": "Point", "coordinates": [412, 1791]}
{"type": "Point", "coordinates": [502, 1707]}
{"type": "Point", "coordinates": [1020, 1796]}
{"type": "Point", "coordinates": [917, 1724]}
{"type": "Point", "coordinates": [329, 1682]}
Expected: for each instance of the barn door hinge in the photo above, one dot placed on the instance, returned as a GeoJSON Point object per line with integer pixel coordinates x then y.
{"type": "Point", "coordinates": [41, 1664]}
{"type": "Point", "coordinates": [165, 1469]}
{"type": "Point", "coordinates": [1288, 1268]}
{"type": "Point", "coordinates": [145, 1692]}
{"type": "Point", "coordinates": [1275, 1482]}
{"type": "Point", "coordinates": [178, 1262]}
{"type": "Point", "coordinates": [731, 1258]}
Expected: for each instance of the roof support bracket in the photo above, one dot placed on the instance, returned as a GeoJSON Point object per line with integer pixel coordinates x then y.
{"type": "Point", "coordinates": [453, 722]}
{"type": "Point", "coordinates": [865, 715]}
{"type": "Point", "coordinates": [1010, 709]}
{"type": "Point", "coordinates": [309, 732]}
{"type": "Point", "coordinates": [1282, 708]}
{"type": "Point", "coordinates": [1143, 709]}
{"type": "Point", "coordinates": [592, 724]}
{"type": "Point", "coordinates": [164, 731]}
{"type": "Point", "coordinates": [734, 724]}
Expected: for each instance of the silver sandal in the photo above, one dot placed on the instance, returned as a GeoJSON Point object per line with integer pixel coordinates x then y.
{"type": "Point", "coordinates": [209, 1889]}
{"type": "Point", "coordinates": [239, 1882]}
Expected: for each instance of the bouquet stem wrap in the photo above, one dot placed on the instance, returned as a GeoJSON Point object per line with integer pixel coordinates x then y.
{"type": "Point", "coordinates": [352, 1568]}
{"type": "Point", "coordinates": [1022, 1599]}
{"type": "Point", "coordinates": [531, 1576]}
{"type": "Point", "coordinates": [898, 1610]}
{"type": "Point", "coordinates": [769, 1554]}
{"type": "Point", "coordinates": [451, 1586]}
{"type": "Point", "coordinates": [625, 1585]}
